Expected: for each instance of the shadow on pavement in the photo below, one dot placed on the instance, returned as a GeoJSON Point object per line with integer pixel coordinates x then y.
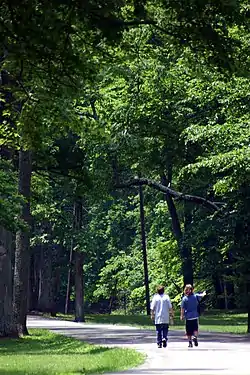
{"type": "Point", "coordinates": [113, 335]}
{"type": "Point", "coordinates": [123, 336]}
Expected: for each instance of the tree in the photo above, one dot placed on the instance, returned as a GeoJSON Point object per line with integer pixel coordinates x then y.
{"type": "Point", "coordinates": [22, 253]}
{"type": "Point", "coordinates": [7, 328]}
{"type": "Point", "coordinates": [141, 99]}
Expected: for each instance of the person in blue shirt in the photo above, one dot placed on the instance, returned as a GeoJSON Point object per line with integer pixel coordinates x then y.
{"type": "Point", "coordinates": [189, 311]}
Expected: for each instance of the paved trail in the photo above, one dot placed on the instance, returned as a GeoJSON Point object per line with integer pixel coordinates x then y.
{"type": "Point", "coordinates": [216, 355]}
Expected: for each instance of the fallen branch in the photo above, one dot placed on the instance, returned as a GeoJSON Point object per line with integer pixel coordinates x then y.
{"type": "Point", "coordinates": [173, 193]}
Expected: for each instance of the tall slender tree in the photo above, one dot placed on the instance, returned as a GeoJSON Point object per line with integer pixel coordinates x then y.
{"type": "Point", "coordinates": [22, 253]}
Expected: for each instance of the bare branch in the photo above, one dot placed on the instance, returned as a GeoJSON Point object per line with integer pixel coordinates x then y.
{"type": "Point", "coordinates": [173, 193]}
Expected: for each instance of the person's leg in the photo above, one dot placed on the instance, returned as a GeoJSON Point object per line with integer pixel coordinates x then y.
{"type": "Point", "coordinates": [165, 335]}
{"type": "Point", "coordinates": [195, 332]}
{"type": "Point", "coordinates": [159, 335]}
{"type": "Point", "coordinates": [189, 332]}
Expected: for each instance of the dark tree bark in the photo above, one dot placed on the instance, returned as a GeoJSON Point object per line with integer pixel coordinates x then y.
{"type": "Point", "coordinates": [79, 291]}
{"type": "Point", "coordinates": [66, 308]}
{"type": "Point", "coordinates": [185, 252]}
{"type": "Point", "coordinates": [31, 302]}
{"type": "Point", "coordinates": [78, 263]}
{"type": "Point", "coordinates": [144, 250]}
{"type": "Point", "coordinates": [7, 324]}
{"type": "Point", "coordinates": [45, 280]}
{"type": "Point", "coordinates": [34, 277]}
{"type": "Point", "coordinates": [55, 290]}
{"type": "Point", "coordinates": [175, 194]}
{"type": "Point", "coordinates": [22, 254]}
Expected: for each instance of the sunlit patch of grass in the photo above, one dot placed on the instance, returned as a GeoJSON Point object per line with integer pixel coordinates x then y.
{"type": "Point", "coordinates": [46, 353]}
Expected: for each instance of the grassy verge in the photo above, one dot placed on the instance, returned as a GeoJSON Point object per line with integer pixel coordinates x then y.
{"type": "Point", "coordinates": [212, 321]}
{"type": "Point", "coordinates": [46, 353]}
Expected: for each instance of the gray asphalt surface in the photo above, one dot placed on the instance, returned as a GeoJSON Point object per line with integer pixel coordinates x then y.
{"type": "Point", "coordinates": [217, 354]}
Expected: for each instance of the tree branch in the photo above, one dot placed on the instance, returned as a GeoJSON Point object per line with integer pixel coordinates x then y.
{"type": "Point", "coordinates": [173, 193]}
{"type": "Point", "coordinates": [95, 115]}
{"type": "Point", "coordinates": [136, 23]}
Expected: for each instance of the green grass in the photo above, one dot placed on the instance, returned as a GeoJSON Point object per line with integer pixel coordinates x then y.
{"type": "Point", "coordinates": [212, 321]}
{"type": "Point", "coordinates": [227, 322]}
{"type": "Point", "coordinates": [46, 353]}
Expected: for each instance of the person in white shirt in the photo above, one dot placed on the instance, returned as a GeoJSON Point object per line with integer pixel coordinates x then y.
{"type": "Point", "coordinates": [161, 310]}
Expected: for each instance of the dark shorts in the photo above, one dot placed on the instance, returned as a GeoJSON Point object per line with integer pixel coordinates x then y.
{"type": "Point", "coordinates": [191, 326]}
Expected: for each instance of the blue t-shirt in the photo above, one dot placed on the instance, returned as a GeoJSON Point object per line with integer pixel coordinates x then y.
{"type": "Point", "coordinates": [190, 305]}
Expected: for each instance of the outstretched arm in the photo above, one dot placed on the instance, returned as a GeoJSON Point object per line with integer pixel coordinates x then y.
{"type": "Point", "coordinates": [200, 295]}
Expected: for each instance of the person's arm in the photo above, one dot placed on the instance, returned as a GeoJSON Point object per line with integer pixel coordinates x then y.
{"type": "Point", "coordinates": [201, 295]}
{"type": "Point", "coordinates": [182, 309]}
{"type": "Point", "coordinates": [182, 313]}
{"type": "Point", "coordinates": [152, 309]}
{"type": "Point", "coordinates": [152, 314]}
{"type": "Point", "coordinates": [171, 310]}
{"type": "Point", "coordinates": [171, 316]}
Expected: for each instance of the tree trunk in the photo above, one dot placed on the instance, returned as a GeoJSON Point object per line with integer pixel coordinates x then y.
{"type": "Point", "coordinates": [56, 289]}
{"type": "Point", "coordinates": [34, 277]}
{"type": "Point", "coordinates": [67, 299]}
{"type": "Point", "coordinates": [113, 297]}
{"type": "Point", "coordinates": [218, 290]}
{"type": "Point", "coordinates": [185, 252]}
{"type": "Point", "coordinates": [144, 250]}
{"type": "Point", "coordinates": [188, 274]}
{"type": "Point", "coordinates": [79, 291]}
{"type": "Point", "coordinates": [22, 254]}
{"type": "Point", "coordinates": [225, 294]}
{"type": "Point", "coordinates": [45, 280]}
{"type": "Point", "coordinates": [79, 257]}
{"type": "Point", "coordinates": [7, 324]}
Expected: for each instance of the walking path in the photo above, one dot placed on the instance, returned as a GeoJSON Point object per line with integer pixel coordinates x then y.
{"type": "Point", "coordinates": [217, 354]}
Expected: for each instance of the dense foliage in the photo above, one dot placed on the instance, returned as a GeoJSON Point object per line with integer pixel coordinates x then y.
{"type": "Point", "coordinates": [106, 97]}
